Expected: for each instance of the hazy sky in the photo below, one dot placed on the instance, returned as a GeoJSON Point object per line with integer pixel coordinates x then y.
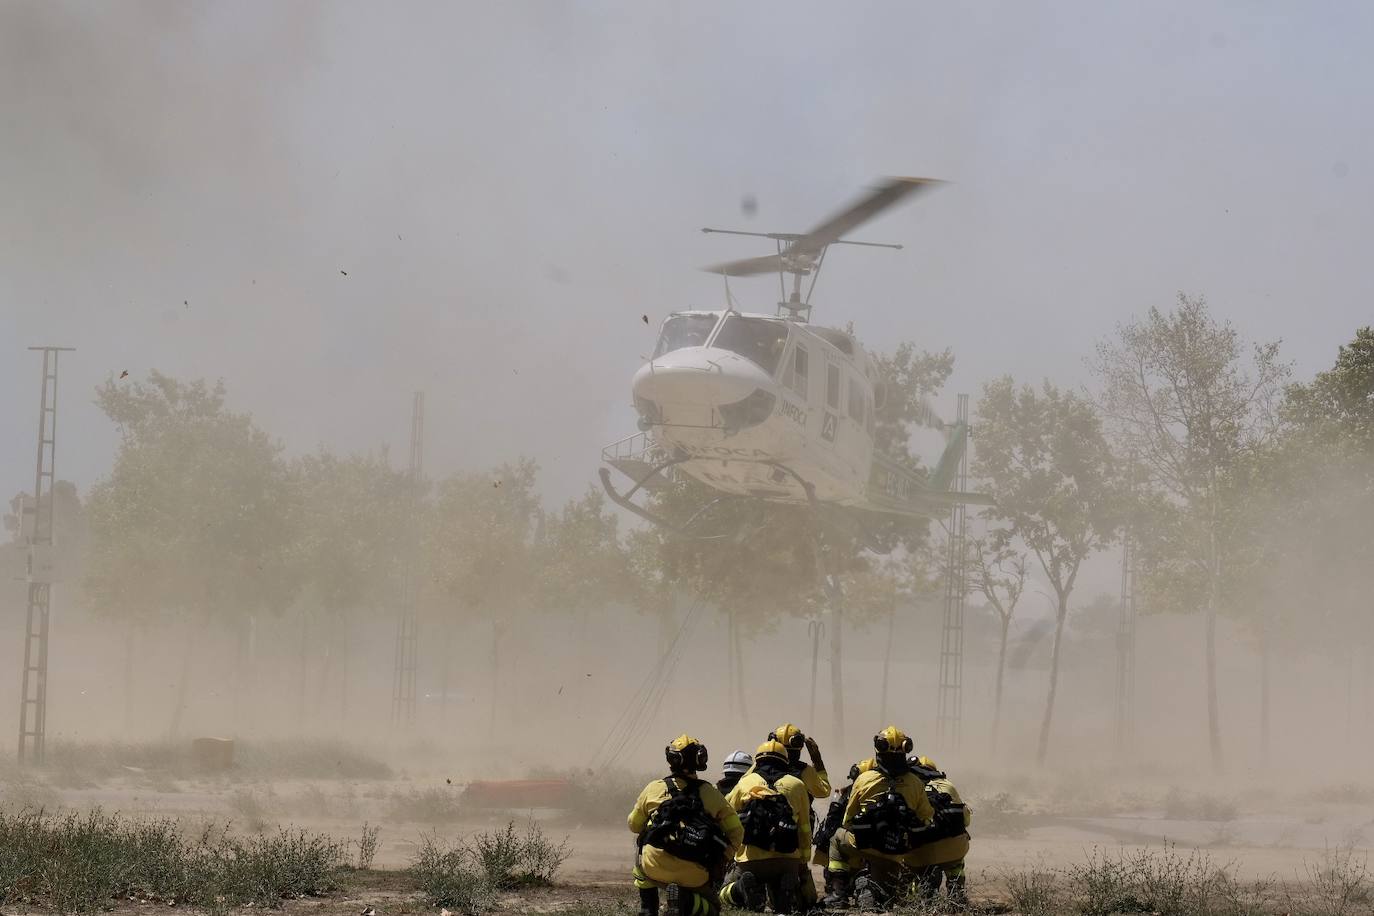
{"type": "Point", "coordinates": [509, 187]}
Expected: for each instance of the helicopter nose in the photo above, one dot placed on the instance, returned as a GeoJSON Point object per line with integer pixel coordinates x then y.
{"type": "Point", "coordinates": [700, 377]}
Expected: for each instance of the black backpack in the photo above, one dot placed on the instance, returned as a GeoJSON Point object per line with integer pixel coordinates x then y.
{"type": "Point", "coordinates": [769, 822]}
{"type": "Point", "coordinates": [681, 827]}
{"type": "Point", "coordinates": [834, 817]}
{"type": "Point", "coordinates": [949, 814]}
{"type": "Point", "coordinates": [888, 825]}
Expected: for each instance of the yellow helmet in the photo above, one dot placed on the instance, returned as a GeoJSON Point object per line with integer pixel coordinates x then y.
{"type": "Point", "coordinates": [892, 740]}
{"type": "Point", "coordinates": [863, 766]}
{"type": "Point", "coordinates": [771, 749]}
{"type": "Point", "coordinates": [789, 736]}
{"type": "Point", "coordinates": [685, 754]}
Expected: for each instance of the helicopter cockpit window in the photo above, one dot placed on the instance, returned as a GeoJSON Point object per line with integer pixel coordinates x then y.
{"type": "Point", "coordinates": [684, 331]}
{"type": "Point", "coordinates": [760, 340]}
{"type": "Point", "coordinates": [856, 400]}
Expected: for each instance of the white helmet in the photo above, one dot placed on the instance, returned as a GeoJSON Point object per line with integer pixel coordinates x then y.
{"type": "Point", "coordinates": [738, 762]}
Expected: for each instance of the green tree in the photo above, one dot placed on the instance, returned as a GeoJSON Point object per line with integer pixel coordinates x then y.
{"type": "Point", "coordinates": [354, 518]}
{"type": "Point", "coordinates": [195, 517]}
{"type": "Point", "coordinates": [1046, 461]}
{"type": "Point", "coordinates": [482, 556]}
{"type": "Point", "coordinates": [1189, 406]}
{"type": "Point", "coordinates": [998, 572]}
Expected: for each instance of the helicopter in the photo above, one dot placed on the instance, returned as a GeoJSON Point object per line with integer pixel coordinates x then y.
{"type": "Point", "coordinates": [773, 406]}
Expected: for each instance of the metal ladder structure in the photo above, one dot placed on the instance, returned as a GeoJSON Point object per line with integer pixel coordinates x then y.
{"type": "Point", "coordinates": [408, 613]}
{"type": "Point", "coordinates": [950, 709]}
{"type": "Point", "coordinates": [36, 525]}
{"type": "Point", "coordinates": [1125, 650]}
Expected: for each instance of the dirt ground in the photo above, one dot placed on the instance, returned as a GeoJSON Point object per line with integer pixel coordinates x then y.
{"type": "Point", "coordinates": [1257, 834]}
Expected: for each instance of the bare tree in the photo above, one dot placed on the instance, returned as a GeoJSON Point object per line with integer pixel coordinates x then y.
{"type": "Point", "coordinates": [1181, 395]}
{"type": "Point", "coordinates": [998, 573]}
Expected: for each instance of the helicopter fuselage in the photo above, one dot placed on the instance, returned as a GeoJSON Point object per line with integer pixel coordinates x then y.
{"type": "Point", "coordinates": [746, 398]}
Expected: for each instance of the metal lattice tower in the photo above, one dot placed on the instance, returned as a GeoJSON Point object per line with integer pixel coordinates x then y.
{"type": "Point", "coordinates": [36, 525]}
{"type": "Point", "coordinates": [408, 613]}
{"type": "Point", "coordinates": [1125, 650]}
{"type": "Point", "coordinates": [949, 716]}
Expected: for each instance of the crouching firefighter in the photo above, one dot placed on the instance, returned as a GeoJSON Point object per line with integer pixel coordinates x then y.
{"type": "Point", "coordinates": [774, 807]}
{"type": "Point", "coordinates": [686, 835]}
{"type": "Point", "coordinates": [886, 818]}
{"type": "Point", "coordinates": [944, 858]}
{"type": "Point", "coordinates": [817, 783]}
{"type": "Point", "coordinates": [834, 817]}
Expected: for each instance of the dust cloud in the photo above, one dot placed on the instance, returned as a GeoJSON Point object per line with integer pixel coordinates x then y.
{"type": "Point", "coordinates": [328, 207]}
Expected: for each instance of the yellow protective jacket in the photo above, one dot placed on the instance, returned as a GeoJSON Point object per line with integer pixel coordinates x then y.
{"type": "Point", "coordinates": [664, 867]}
{"type": "Point", "coordinates": [951, 849]}
{"type": "Point", "coordinates": [873, 785]}
{"type": "Point", "coordinates": [816, 781]}
{"type": "Point", "coordinates": [753, 785]}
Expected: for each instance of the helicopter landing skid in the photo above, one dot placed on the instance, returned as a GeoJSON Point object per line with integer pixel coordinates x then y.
{"type": "Point", "coordinates": [624, 501]}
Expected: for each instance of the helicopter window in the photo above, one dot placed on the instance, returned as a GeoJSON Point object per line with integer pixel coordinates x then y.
{"type": "Point", "coordinates": [760, 340]}
{"type": "Point", "coordinates": [832, 387]}
{"type": "Point", "coordinates": [797, 377]}
{"type": "Point", "coordinates": [856, 401]}
{"type": "Point", "coordinates": [684, 331]}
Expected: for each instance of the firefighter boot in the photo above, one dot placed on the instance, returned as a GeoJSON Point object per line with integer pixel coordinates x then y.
{"type": "Point", "coordinates": [868, 894]}
{"type": "Point", "coordinates": [838, 889]}
{"type": "Point", "coordinates": [786, 894]}
{"type": "Point", "coordinates": [648, 901]}
{"type": "Point", "coordinates": [957, 887]}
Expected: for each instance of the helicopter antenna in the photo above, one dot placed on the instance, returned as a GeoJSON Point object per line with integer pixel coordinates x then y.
{"type": "Point", "coordinates": [802, 254]}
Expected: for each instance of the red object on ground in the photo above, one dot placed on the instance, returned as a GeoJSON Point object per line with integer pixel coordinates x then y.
{"type": "Point", "coordinates": [518, 793]}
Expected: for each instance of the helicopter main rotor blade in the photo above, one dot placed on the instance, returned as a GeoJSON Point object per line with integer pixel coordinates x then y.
{"type": "Point", "coordinates": [803, 250]}
{"type": "Point", "coordinates": [861, 211]}
{"type": "Point", "coordinates": [768, 264]}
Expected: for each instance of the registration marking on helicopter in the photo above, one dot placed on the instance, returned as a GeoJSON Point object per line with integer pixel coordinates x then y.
{"type": "Point", "coordinates": [725, 451]}
{"type": "Point", "coordinates": [793, 412]}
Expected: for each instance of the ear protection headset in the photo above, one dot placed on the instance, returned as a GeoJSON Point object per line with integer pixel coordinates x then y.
{"type": "Point", "coordinates": [690, 758]}
{"type": "Point", "coordinates": [891, 741]}
{"type": "Point", "coordinates": [795, 741]}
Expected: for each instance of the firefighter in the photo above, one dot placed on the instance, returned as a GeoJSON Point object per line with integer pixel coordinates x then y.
{"type": "Point", "coordinates": [735, 766]}
{"type": "Point", "coordinates": [887, 816]}
{"type": "Point", "coordinates": [817, 783]}
{"type": "Point", "coordinates": [774, 806]}
{"type": "Point", "coordinates": [945, 857]}
{"type": "Point", "coordinates": [834, 816]}
{"type": "Point", "coordinates": [686, 834]}
{"type": "Point", "coordinates": [813, 773]}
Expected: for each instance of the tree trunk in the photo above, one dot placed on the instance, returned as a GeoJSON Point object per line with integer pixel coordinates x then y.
{"type": "Point", "coordinates": [1264, 688]}
{"type": "Point", "coordinates": [740, 693]}
{"type": "Point", "coordinates": [1210, 624]}
{"type": "Point", "coordinates": [1061, 612]}
{"type": "Point", "coordinates": [997, 689]}
{"type": "Point", "coordinates": [495, 675]}
{"type": "Point", "coordinates": [303, 662]}
{"type": "Point", "coordinates": [179, 709]}
{"type": "Point", "coordinates": [887, 660]}
{"type": "Point", "coordinates": [129, 640]}
{"type": "Point", "coordinates": [836, 659]}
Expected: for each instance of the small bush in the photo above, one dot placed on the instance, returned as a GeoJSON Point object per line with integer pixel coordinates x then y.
{"type": "Point", "coordinates": [367, 846]}
{"type": "Point", "coordinates": [469, 874]}
{"type": "Point", "coordinates": [436, 805]}
{"type": "Point", "coordinates": [999, 815]}
{"type": "Point", "coordinates": [511, 861]}
{"type": "Point", "coordinates": [77, 863]}
{"type": "Point", "coordinates": [449, 876]}
{"type": "Point", "coordinates": [1037, 892]}
{"type": "Point", "coordinates": [1144, 881]}
{"type": "Point", "coordinates": [1338, 885]}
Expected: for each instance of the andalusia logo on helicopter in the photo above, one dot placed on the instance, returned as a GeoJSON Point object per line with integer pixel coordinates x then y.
{"type": "Point", "coordinates": [774, 407]}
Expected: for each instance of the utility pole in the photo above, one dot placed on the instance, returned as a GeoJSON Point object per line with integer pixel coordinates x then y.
{"type": "Point", "coordinates": [949, 716]}
{"type": "Point", "coordinates": [408, 613]}
{"type": "Point", "coordinates": [36, 526]}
